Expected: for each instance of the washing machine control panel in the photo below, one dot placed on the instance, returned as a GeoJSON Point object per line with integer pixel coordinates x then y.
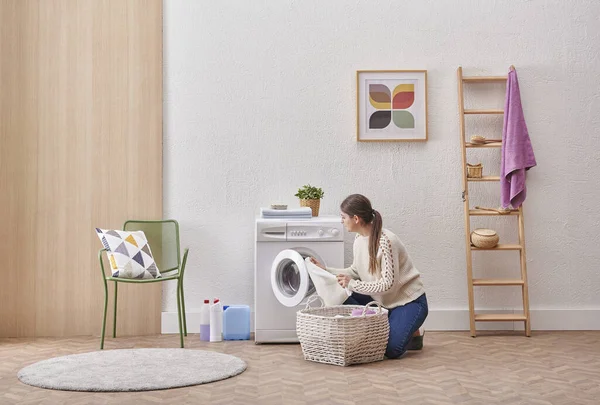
{"type": "Point", "coordinates": [314, 232]}
{"type": "Point", "coordinates": [319, 229]}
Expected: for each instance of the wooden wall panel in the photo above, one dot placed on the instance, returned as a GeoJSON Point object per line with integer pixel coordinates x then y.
{"type": "Point", "coordinates": [144, 118]}
{"type": "Point", "coordinates": [93, 119]}
{"type": "Point", "coordinates": [18, 166]}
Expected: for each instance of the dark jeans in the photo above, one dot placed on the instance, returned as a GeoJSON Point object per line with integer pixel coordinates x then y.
{"type": "Point", "coordinates": [404, 321]}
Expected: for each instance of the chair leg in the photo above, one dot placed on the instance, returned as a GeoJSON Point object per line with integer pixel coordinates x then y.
{"type": "Point", "coordinates": [179, 312]}
{"type": "Point", "coordinates": [104, 316]}
{"type": "Point", "coordinates": [115, 313]}
{"type": "Point", "coordinates": [183, 310]}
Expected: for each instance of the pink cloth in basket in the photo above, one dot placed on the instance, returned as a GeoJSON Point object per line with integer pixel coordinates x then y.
{"type": "Point", "coordinates": [359, 312]}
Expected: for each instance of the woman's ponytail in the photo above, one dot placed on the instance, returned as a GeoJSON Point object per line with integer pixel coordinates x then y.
{"type": "Point", "coordinates": [374, 241]}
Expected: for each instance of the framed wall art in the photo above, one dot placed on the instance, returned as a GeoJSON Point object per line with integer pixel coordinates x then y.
{"type": "Point", "coordinates": [391, 105]}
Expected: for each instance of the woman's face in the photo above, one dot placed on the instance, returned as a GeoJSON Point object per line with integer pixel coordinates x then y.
{"type": "Point", "coordinates": [350, 223]}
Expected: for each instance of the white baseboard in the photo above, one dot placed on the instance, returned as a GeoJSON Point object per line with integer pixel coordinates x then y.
{"type": "Point", "coordinates": [541, 319]}
{"type": "Point", "coordinates": [452, 319]}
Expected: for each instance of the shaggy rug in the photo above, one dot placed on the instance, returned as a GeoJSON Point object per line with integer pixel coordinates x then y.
{"type": "Point", "coordinates": [131, 370]}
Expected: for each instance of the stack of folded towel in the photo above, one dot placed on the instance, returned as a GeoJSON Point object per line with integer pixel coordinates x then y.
{"type": "Point", "coordinates": [303, 212]}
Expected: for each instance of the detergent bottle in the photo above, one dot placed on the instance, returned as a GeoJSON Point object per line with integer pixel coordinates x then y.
{"type": "Point", "coordinates": [216, 321]}
{"type": "Point", "coordinates": [205, 321]}
{"type": "Point", "coordinates": [236, 322]}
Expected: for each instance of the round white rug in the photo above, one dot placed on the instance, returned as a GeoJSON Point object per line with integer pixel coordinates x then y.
{"type": "Point", "coordinates": [131, 370]}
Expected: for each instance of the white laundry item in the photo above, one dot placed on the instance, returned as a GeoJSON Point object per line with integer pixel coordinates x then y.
{"type": "Point", "coordinates": [303, 212]}
{"type": "Point", "coordinates": [326, 285]}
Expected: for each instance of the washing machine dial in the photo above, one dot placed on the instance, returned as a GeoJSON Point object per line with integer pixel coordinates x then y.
{"type": "Point", "coordinates": [335, 232]}
{"type": "Point", "coordinates": [321, 232]}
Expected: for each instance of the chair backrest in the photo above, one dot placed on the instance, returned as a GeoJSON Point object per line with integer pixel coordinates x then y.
{"type": "Point", "coordinates": [163, 238]}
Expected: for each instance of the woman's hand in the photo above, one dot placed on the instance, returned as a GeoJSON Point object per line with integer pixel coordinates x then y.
{"type": "Point", "coordinates": [343, 280]}
{"type": "Point", "coordinates": [316, 263]}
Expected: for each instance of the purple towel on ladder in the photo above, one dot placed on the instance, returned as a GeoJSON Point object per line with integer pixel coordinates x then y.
{"type": "Point", "coordinates": [517, 152]}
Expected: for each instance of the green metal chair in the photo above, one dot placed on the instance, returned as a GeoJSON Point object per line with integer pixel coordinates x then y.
{"type": "Point", "coordinates": [163, 238]}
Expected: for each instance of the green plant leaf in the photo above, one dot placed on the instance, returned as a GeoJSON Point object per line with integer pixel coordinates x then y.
{"type": "Point", "coordinates": [308, 192]}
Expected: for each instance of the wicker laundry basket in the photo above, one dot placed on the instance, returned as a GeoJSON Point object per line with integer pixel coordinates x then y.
{"type": "Point", "coordinates": [343, 340]}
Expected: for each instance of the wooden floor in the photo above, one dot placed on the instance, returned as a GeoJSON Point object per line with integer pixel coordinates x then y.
{"type": "Point", "coordinates": [548, 368]}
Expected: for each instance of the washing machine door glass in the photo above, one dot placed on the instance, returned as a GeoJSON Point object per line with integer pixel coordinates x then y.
{"type": "Point", "coordinates": [289, 278]}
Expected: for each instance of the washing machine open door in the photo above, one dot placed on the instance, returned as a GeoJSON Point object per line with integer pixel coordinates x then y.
{"type": "Point", "coordinates": [289, 278]}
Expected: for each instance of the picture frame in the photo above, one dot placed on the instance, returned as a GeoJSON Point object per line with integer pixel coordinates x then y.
{"type": "Point", "coordinates": [391, 105]}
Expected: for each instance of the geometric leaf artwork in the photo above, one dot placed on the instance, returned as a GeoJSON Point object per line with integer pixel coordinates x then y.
{"type": "Point", "coordinates": [391, 105]}
{"type": "Point", "coordinates": [401, 98]}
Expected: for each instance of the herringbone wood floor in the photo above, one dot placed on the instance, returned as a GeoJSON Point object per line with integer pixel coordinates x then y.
{"type": "Point", "coordinates": [548, 368]}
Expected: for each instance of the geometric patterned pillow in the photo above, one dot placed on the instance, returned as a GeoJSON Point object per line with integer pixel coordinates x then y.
{"type": "Point", "coordinates": [129, 254]}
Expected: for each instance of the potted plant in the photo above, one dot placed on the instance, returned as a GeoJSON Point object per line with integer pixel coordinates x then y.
{"type": "Point", "coordinates": [310, 197]}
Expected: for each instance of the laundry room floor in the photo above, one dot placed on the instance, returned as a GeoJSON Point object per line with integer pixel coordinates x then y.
{"type": "Point", "coordinates": [504, 368]}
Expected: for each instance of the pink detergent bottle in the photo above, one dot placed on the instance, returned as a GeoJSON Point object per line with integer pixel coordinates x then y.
{"type": "Point", "coordinates": [205, 321]}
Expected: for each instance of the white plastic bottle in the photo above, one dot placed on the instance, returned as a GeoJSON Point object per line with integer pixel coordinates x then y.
{"type": "Point", "coordinates": [205, 321]}
{"type": "Point", "coordinates": [216, 321]}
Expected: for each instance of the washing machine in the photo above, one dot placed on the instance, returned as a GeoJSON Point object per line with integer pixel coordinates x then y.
{"type": "Point", "coordinates": [281, 282]}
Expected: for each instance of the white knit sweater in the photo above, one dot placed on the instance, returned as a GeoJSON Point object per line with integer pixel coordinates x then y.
{"type": "Point", "coordinates": [395, 282]}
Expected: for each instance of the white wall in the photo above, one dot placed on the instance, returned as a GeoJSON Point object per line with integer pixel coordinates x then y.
{"type": "Point", "coordinates": [260, 99]}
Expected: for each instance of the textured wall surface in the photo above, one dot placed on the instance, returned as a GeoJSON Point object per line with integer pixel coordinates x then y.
{"type": "Point", "coordinates": [260, 99]}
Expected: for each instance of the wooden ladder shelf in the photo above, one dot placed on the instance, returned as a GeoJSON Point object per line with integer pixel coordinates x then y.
{"type": "Point", "coordinates": [469, 212]}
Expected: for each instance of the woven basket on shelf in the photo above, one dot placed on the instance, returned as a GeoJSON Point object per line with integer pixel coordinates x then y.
{"type": "Point", "coordinates": [313, 204]}
{"type": "Point", "coordinates": [344, 340]}
{"type": "Point", "coordinates": [484, 238]}
{"type": "Point", "coordinates": [474, 171]}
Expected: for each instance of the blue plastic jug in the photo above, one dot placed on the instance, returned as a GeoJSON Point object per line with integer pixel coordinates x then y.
{"type": "Point", "coordinates": [236, 322]}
